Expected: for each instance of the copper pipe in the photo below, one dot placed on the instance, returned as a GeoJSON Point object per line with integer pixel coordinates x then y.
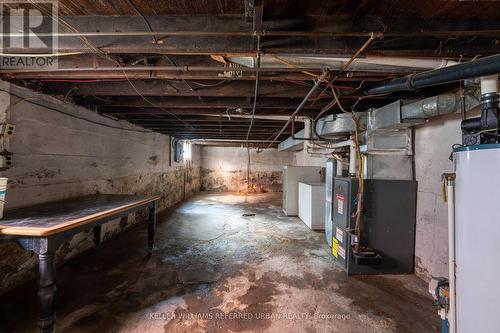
{"type": "Point", "coordinates": [361, 49]}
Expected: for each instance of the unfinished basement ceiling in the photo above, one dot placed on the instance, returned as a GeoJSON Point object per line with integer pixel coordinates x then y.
{"type": "Point", "coordinates": [193, 74]}
{"type": "Point", "coordinates": [425, 8]}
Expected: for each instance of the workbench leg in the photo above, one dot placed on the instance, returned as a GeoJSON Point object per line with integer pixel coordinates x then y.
{"type": "Point", "coordinates": [151, 228]}
{"type": "Point", "coordinates": [46, 292]}
{"type": "Point", "coordinates": [97, 236]}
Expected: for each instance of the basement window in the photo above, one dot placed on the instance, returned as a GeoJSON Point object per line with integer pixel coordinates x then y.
{"type": "Point", "coordinates": [186, 150]}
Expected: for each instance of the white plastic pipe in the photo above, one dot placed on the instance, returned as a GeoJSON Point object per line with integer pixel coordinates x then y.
{"type": "Point", "coordinates": [334, 63]}
{"type": "Point", "coordinates": [489, 84]}
{"type": "Point", "coordinates": [340, 168]}
{"type": "Point", "coordinates": [308, 133]}
{"type": "Point", "coordinates": [266, 117]}
{"type": "Point", "coordinates": [451, 255]}
{"type": "Point", "coordinates": [353, 155]}
{"type": "Point", "coordinates": [353, 159]}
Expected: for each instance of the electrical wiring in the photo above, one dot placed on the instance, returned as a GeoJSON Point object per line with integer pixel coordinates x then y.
{"type": "Point", "coordinates": [486, 130]}
{"type": "Point", "coordinates": [70, 27]}
{"type": "Point", "coordinates": [339, 158]}
{"type": "Point", "coordinates": [360, 166]}
{"type": "Point", "coordinates": [319, 115]}
{"type": "Point", "coordinates": [106, 56]}
{"type": "Point", "coordinates": [289, 64]}
{"type": "Point", "coordinates": [81, 81]}
{"type": "Point", "coordinates": [319, 95]}
{"type": "Point", "coordinates": [172, 61]}
{"type": "Point", "coordinates": [254, 104]}
{"type": "Point", "coordinates": [148, 25]}
{"type": "Point", "coordinates": [68, 94]}
{"type": "Point", "coordinates": [204, 85]}
{"type": "Point", "coordinates": [453, 147]}
{"type": "Point", "coordinates": [22, 99]}
{"type": "Point", "coordinates": [253, 112]}
{"type": "Point", "coordinates": [34, 55]}
{"type": "Point", "coordinates": [367, 96]}
{"type": "Point", "coordinates": [155, 105]}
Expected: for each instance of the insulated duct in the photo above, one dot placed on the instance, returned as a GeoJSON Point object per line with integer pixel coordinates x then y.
{"type": "Point", "coordinates": [340, 124]}
{"type": "Point", "coordinates": [472, 69]}
{"type": "Point", "coordinates": [396, 115]}
{"type": "Point", "coordinates": [437, 105]}
{"type": "Point", "coordinates": [365, 63]}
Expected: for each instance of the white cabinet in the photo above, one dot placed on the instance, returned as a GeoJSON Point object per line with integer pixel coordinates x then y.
{"type": "Point", "coordinates": [292, 175]}
{"type": "Point", "coordinates": [312, 204]}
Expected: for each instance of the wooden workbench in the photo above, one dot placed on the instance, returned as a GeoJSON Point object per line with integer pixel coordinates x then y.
{"type": "Point", "coordinates": [43, 228]}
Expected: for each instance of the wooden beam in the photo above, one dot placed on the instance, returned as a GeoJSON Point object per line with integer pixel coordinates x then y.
{"type": "Point", "coordinates": [162, 88]}
{"type": "Point", "coordinates": [193, 103]}
{"type": "Point", "coordinates": [340, 35]}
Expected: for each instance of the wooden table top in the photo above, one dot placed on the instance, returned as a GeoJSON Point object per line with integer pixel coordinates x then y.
{"type": "Point", "coordinates": [54, 217]}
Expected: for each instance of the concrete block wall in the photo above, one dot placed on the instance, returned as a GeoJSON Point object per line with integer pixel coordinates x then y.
{"type": "Point", "coordinates": [67, 151]}
{"type": "Point", "coordinates": [224, 169]}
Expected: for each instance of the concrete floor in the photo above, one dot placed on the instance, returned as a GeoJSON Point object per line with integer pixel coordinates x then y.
{"type": "Point", "coordinates": [215, 270]}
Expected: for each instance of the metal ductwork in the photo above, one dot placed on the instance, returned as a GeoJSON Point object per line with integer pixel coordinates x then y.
{"type": "Point", "coordinates": [386, 139]}
{"type": "Point", "coordinates": [340, 124]}
{"type": "Point", "coordinates": [294, 144]}
{"type": "Point", "coordinates": [472, 69]}
{"type": "Point", "coordinates": [396, 115]}
{"type": "Point", "coordinates": [438, 105]}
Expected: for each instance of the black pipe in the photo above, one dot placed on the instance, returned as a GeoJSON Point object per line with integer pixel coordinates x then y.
{"type": "Point", "coordinates": [489, 115]}
{"type": "Point", "coordinates": [471, 69]}
{"type": "Point", "coordinates": [471, 125]}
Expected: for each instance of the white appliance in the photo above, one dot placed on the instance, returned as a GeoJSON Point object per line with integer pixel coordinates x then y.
{"type": "Point", "coordinates": [312, 204]}
{"type": "Point", "coordinates": [292, 175]}
{"type": "Point", "coordinates": [477, 238]}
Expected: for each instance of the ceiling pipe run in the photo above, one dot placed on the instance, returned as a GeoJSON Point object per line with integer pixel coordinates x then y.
{"type": "Point", "coordinates": [250, 33]}
{"type": "Point", "coordinates": [301, 105]}
{"type": "Point", "coordinates": [202, 141]}
{"type": "Point", "coordinates": [469, 70]}
{"type": "Point", "coordinates": [367, 63]}
{"type": "Point", "coordinates": [263, 117]}
{"type": "Point", "coordinates": [156, 68]}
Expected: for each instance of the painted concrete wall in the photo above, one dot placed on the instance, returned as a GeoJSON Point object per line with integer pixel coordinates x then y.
{"type": "Point", "coordinates": [433, 143]}
{"type": "Point", "coordinates": [58, 155]}
{"type": "Point", "coordinates": [302, 158]}
{"type": "Point", "coordinates": [225, 169]}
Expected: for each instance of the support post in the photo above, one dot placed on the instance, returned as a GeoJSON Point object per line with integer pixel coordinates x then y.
{"type": "Point", "coordinates": [97, 236]}
{"type": "Point", "coordinates": [151, 226]}
{"type": "Point", "coordinates": [46, 292]}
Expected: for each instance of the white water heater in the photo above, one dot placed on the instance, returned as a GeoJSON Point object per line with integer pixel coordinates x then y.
{"type": "Point", "coordinates": [477, 238]}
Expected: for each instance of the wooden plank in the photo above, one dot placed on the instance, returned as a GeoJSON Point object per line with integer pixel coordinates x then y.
{"type": "Point", "coordinates": [178, 89]}
{"type": "Point", "coordinates": [339, 35]}
{"type": "Point", "coordinates": [55, 217]}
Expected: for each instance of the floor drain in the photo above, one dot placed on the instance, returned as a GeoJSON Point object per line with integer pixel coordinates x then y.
{"type": "Point", "coordinates": [248, 214]}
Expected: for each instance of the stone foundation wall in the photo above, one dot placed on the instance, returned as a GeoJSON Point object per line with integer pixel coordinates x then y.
{"type": "Point", "coordinates": [59, 155]}
{"type": "Point", "coordinates": [224, 169]}
{"type": "Point", "coordinates": [236, 181]}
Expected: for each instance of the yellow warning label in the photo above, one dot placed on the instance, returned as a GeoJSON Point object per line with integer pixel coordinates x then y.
{"type": "Point", "coordinates": [335, 247]}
